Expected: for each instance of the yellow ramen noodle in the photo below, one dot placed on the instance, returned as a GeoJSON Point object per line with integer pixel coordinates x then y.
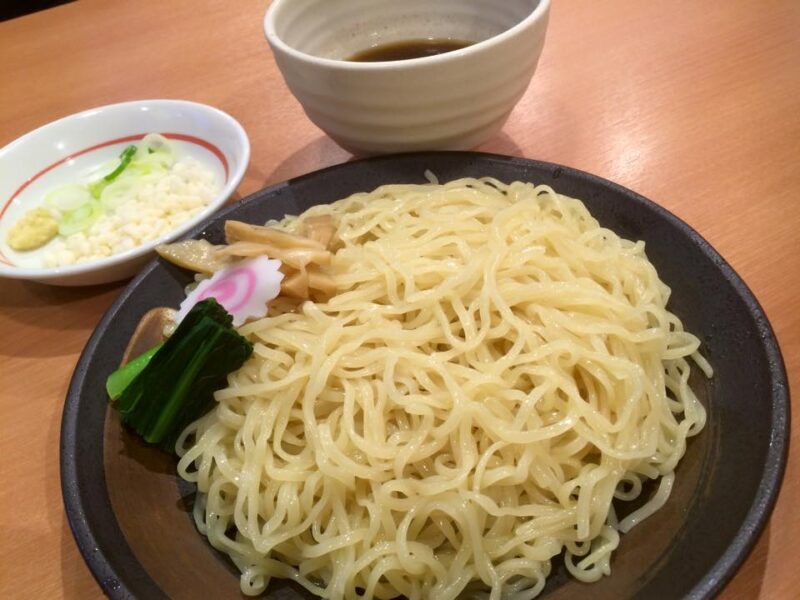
{"type": "Point", "coordinates": [494, 370]}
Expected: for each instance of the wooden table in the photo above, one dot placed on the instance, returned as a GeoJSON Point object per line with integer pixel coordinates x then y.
{"type": "Point", "coordinates": [696, 105]}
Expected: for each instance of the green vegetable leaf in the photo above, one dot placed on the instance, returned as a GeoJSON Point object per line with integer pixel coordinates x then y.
{"type": "Point", "coordinates": [122, 377]}
{"type": "Point", "coordinates": [177, 385]}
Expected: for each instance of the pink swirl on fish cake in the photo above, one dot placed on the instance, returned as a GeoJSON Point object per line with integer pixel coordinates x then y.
{"type": "Point", "coordinates": [243, 289]}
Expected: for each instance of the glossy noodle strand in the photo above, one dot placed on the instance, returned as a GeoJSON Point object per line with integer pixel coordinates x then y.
{"type": "Point", "coordinates": [493, 371]}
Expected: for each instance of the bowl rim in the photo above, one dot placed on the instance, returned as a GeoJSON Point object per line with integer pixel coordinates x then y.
{"type": "Point", "coordinates": [235, 176]}
{"type": "Point", "coordinates": [711, 582]}
{"type": "Point", "coordinates": [276, 42]}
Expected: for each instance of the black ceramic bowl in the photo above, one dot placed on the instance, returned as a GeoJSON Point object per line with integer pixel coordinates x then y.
{"type": "Point", "coordinates": [130, 514]}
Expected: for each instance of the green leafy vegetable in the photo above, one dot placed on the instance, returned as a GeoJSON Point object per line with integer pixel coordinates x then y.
{"type": "Point", "coordinates": [125, 158]}
{"type": "Point", "coordinates": [122, 377]}
{"type": "Point", "coordinates": [177, 384]}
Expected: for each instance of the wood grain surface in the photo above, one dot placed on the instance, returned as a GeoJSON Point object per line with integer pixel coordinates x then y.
{"type": "Point", "coordinates": [695, 105]}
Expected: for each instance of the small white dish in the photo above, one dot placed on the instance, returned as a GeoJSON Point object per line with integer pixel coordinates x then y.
{"type": "Point", "coordinates": [59, 151]}
{"type": "Point", "coordinates": [451, 101]}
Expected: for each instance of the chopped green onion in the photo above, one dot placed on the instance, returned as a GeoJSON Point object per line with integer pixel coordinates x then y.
{"type": "Point", "coordinates": [96, 172]}
{"type": "Point", "coordinates": [80, 218]}
{"type": "Point", "coordinates": [150, 164]}
{"type": "Point", "coordinates": [68, 197]}
{"type": "Point", "coordinates": [118, 192]}
{"type": "Point", "coordinates": [97, 187]}
{"type": "Point", "coordinates": [110, 185]}
{"type": "Point", "coordinates": [154, 143]}
{"type": "Point", "coordinates": [124, 160]}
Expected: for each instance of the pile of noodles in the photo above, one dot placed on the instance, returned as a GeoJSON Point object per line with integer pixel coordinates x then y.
{"type": "Point", "coordinates": [494, 370]}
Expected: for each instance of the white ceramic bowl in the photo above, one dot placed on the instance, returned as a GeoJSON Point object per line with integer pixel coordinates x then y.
{"type": "Point", "coordinates": [59, 151]}
{"type": "Point", "coordinates": [452, 101]}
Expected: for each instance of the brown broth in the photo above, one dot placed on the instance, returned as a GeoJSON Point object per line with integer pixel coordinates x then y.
{"type": "Point", "coordinates": [407, 49]}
